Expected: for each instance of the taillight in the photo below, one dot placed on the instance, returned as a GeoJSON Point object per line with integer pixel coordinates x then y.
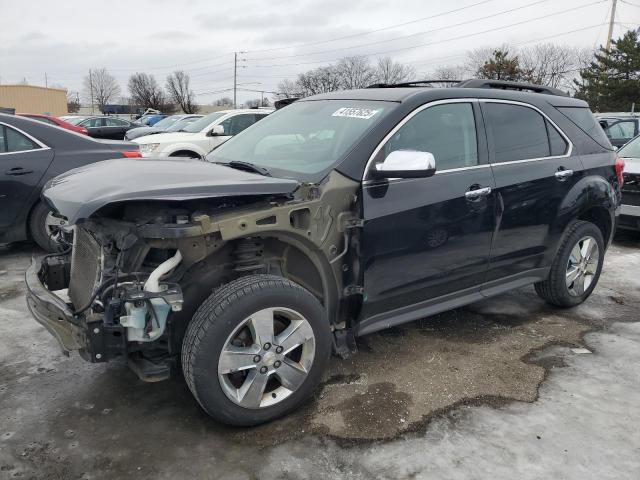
{"type": "Point", "coordinates": [619, 168]}
{"type": "Point", "coordinates": [131, 154]}
{"type": "Point", "coordinates": [84, 131]}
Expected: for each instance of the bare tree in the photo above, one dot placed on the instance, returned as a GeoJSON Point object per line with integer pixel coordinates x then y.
{"type": "Point", "coordinates": [146, 92]}
{"type": "Point", "coordinates": [355, 72]}
{"type": "Point", "coordinates": [224, 102]}
{"type": "Point", "coordinates": [449, 72]}
{"type": "Point", "coordinates": [100, 87]}
{"type": "Point", "coordinates": [390, 72]}
{"type": "Point", "coordinates": [73, 102]}
{"type": "Point", "coordinates": [550, 64]}
{"type": "Point", "coordinates": [319, 80]}
{"type": "Point", "coordinates": [289, 88]}
{"type": "Point", "coordinates": [180, 92]}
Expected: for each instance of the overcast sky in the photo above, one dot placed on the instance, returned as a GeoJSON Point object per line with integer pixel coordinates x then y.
{"type": "Point", "coordinates": [280, 38]}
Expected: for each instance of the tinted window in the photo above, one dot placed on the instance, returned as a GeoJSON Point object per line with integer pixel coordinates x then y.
{"type": "Point", "coordinates": [447, 131]}
{"type": "Point", "coordinates": [519, 133]}
{"type": "Point", "coordinates": [585, 121]}
{"type": "Point", "coordinates": [3, 144]}
{"type": "Point", "coordinates": [557, 144]}
{"type": "Point", "coordinates": [17, 142]}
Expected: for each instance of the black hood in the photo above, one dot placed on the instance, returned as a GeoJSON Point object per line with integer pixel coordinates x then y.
{"type": "Point", "coordinates": [78, 193]}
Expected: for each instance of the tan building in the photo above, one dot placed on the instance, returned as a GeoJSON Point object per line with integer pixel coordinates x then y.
{"type": "Point", "coordinates": [32, 99]}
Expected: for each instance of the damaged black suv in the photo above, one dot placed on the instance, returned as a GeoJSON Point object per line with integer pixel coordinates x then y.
{"type": "Point", "coordinates": [337, 216]}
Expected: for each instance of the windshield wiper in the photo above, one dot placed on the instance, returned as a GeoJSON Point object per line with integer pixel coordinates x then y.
{"type": "Point", "coordinates": [246, 166]}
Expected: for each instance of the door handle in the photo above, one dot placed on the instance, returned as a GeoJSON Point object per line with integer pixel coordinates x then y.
{"type": "Point", "coordinates": [477, 193]}
{"type": "Point", "coordinates": [17, 171]}
{"type": "Point", "coordinates": [562, 175]}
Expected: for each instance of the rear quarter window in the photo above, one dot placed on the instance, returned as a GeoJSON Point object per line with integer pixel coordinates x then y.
{"type": "Point", "coordinates": [586, 121]}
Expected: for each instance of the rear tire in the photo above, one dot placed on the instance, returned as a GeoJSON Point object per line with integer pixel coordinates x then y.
{"type": "Point", "coordinates": [40, 230]}
{"type": "Point", "coordinates": [256, 349]}
{"type": "Point", "coordinates": [576, 267]}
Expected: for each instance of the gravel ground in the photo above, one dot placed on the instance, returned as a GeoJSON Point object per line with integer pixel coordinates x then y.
{"type": "Point", "coordinates": [504, 388]}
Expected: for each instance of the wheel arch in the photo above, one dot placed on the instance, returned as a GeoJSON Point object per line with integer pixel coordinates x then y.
{"type": "Point", "coordinates": [284, 254]}
{"type": "Point", "coordinates": [591, 199]}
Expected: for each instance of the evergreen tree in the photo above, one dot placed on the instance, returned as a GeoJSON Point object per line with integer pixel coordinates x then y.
{"type": "Point", "coordinates": [611, 82]}
{"type": "Point", "coordinates": [501, 67]}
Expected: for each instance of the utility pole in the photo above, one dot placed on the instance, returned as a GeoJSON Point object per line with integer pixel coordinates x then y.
{"type": "Point", "coordinates": [235, 77]}
{"type": "Point", "coordinates": [91, 89]}
{"type": "Point", "coordinates": [46, 82]}
{"type": "Point", "coordinates": [611, 22]}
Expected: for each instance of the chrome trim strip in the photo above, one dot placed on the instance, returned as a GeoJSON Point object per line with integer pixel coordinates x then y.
{"type": "Point", "coordinates": [30, 137]}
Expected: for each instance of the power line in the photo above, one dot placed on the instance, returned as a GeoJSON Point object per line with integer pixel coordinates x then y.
{"type": "Point", "coordinates": [490, 30]}
{"type": "Point", "coordinates": [467, 22]}
{"type": "Point", "coordinates": [389, 27]}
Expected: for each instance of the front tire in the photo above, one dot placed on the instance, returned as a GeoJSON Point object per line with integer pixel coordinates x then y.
{"type": "Point", "coordinates": [576, 268]}
{"type": "Point", "coordinates": [44, 230]}
{"type": "Point", "coordinates": [256, 349]}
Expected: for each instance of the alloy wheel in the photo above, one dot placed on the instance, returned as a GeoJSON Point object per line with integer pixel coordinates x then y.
{"type": "Point", "coordinates": [582, 266]}
{"type": "Point", "coordinates": [266, 358]}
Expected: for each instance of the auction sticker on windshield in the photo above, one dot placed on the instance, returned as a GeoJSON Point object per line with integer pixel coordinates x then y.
{"type": "Point", "coordinates": [352, 112]}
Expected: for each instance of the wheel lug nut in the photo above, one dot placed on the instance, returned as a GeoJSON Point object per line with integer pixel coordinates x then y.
{"type": "Point", "coordinates": [264, 370]}
{"type": "Point", "coordinates": [279, 350]}
{"type": "Point", "coordinates": [267, 346]}
{"type": "Point", "coordinates": [256, 359]}
{"type": "Point", "coordinates": [276, 364]}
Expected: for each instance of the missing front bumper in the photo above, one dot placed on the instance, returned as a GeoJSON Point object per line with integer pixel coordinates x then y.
{"type": "Point", "coordinates": [52, 312]}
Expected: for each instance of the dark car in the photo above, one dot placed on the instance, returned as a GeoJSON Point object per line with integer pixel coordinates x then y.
{"type": "Point", "coordinates": [619, 129]}
{"type": "Point", "coordinates": [337, 216]}
{"type": "Point", "coordinates": [174, 123]}
{"type": "Point", "coordinates": [31, 153]}
{"type": "Point", "coordinates": [111, 128]}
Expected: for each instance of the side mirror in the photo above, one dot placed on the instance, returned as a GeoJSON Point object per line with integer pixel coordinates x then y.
{"type": "Point", "coordinates": [217, 131]}
{"type": "Point", "coordinates": [407, 164]}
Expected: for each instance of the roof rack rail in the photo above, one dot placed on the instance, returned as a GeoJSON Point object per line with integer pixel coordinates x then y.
{"type": "Point", "coordinates": [413, 83]}
{"type": "Point", "coordinates": [478, 83]}
{"type": "Point", "coordinates": [509, 85]}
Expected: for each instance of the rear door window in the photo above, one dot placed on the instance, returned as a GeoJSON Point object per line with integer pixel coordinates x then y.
{"type": "Point", "coordinates": [518, 132]}
{"type": "Point", "coordinates": [17, 142]}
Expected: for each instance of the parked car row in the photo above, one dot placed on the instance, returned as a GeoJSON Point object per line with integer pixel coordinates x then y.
{"type": "Point", "coordinates": [198, 138]}
{"type": "Point", "coordinates": [339, 215]}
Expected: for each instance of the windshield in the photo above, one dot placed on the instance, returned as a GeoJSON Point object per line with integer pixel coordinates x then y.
{"type": "Point", "coordinates": [203, 123]}
{"type": "Point", "coordinates": [179, 125]}
{"type": "Point", "coordinates": [167, 122]}
{"type": "Point", "coordinates": [304, 138]}
{"type": "Point", "coordinates": [631, 149]}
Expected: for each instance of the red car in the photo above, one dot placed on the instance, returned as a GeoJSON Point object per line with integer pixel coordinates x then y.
{"type": "Point", "coordinates": [51, 120]}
